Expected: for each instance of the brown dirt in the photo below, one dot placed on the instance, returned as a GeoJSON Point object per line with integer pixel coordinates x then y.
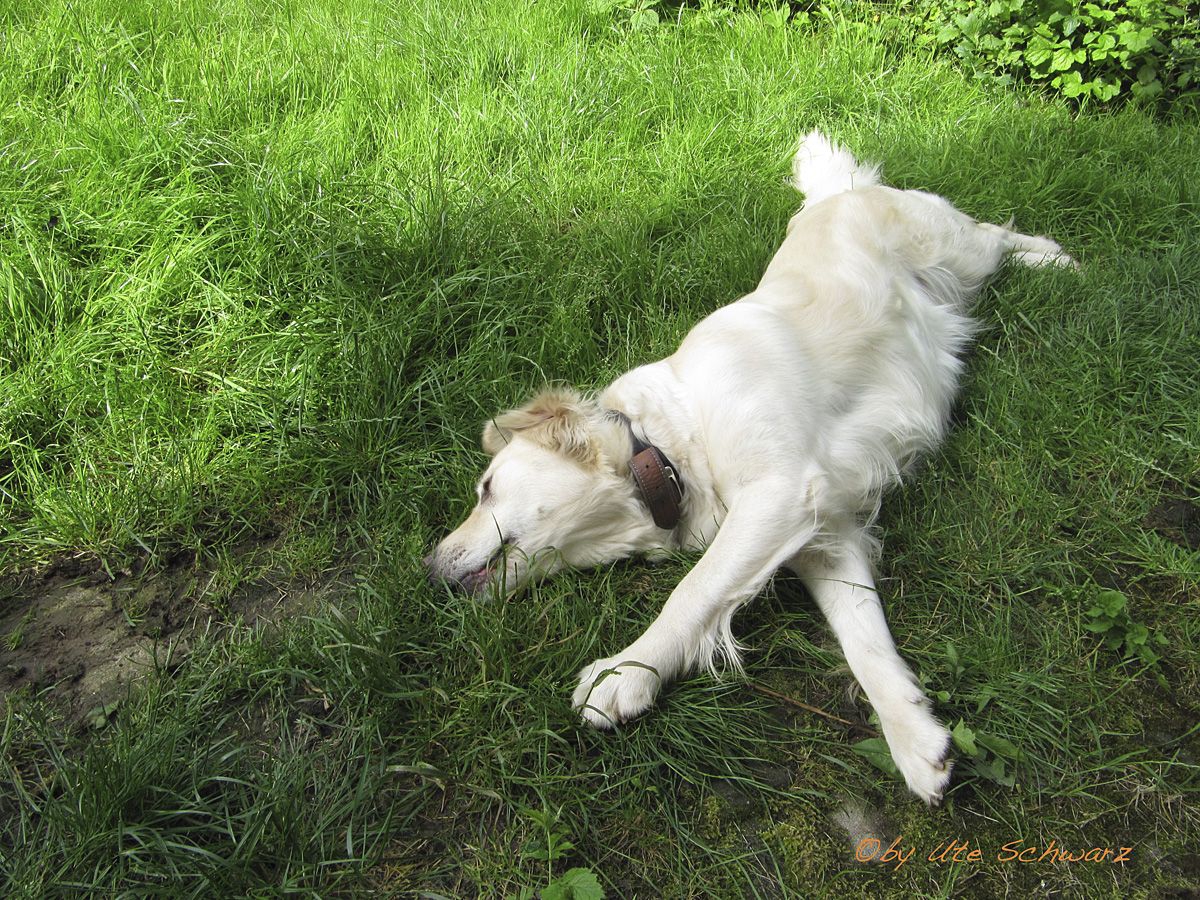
{"type": "Point", "coordinates": [80, 638]}
{"type": "Point", "coordinates": [1178, 520]}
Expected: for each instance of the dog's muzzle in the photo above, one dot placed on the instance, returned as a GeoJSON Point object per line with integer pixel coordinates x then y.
{"type": "Point", "coordinates": [460, 579]}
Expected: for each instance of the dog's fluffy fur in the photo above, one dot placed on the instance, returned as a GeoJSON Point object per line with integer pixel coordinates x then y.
{"type": "Point", "coordinates": [788, 412]}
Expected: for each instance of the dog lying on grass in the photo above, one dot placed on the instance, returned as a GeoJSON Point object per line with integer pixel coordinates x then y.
{"type": "Point", "coordinates": [767, 438]}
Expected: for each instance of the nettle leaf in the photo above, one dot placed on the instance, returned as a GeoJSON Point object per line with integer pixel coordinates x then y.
{"type": "Point", "coordinates": [1146, 91]}
{"type": "Point", "coordinates": [1011, 58]}
{"type": "Point", "coordinates": [875, 751]}
{"type": "Point", "coordinates": [999, 746]}
{"type": "Point", "coordinates": [1148, 656]}
{"type": "Point", "coordinates": [1062, 60]}
{"type": "Point", "coordinates": [777, 17]}
{"type": "Point", "coordinates": [983, 697]}
{"type": "Point", "coordinates": [964, 739]}
{"type": "Point", "coordinates": [584, 884]}
{"type": "Point", "coordinates": [1038, 53]}
{"type": "Point", "coordinates": [990, 44]}
{"type": "Point", "coordinates": [994, 769]}
{"type": "Point", "coordinates": [575, 884]}
{"type": "Point", "coordinates": [98, 716]}
{"type": "Point", "coordinates": [1075, 89]}
{"type": "Point", "coordinates": [1112, 602]}
{"type": "Point", "coordinates": [948, 33]}
{"type": "Point", "coordinates": [551, 852]}
{"type": "Point", "coordinates": [971, 24]}
{"type": "Point", "coordinates": [643, 19]}
{"type": "Point", "coordinates": [1069, 78]}
{"type": "Point", "coordinates": [1135, 40]}
{"type": "Point", "coordinates": [1137, 634]}
{"type": "Point", "coordinates": [952, 657]}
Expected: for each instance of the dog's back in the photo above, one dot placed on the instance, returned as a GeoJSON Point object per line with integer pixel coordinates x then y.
{"type": "Point", "coordinates": [876, 283]}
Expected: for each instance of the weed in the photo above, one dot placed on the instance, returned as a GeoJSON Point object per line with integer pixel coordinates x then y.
{"type": "Point", "coordinates": [550, 844]}
{"type": "Point", "coordinates": [1144, 50]}
{"type": "Point", "coordinates": [1109, 618]}
{"type": "Point", "coordinates": [985, 755]}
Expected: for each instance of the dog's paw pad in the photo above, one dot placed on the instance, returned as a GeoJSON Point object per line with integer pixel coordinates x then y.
{"type": "Point", "coordinates": [612, 691]}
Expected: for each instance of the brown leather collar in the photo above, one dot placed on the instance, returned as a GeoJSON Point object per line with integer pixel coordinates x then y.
{"type": "Point", "coordinates": [656, 478]}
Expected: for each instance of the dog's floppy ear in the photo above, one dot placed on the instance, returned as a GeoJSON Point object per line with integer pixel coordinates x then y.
{"type": "Point", "coordinates": [556, 419]}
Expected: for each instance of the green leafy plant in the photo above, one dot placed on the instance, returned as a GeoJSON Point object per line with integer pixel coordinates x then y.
{"type": "Point", "coordinates": [965, 679]}
{"type": "Point", "coordinates": [1102, 51]}
{"type": "Point", "coordinates": [1109, 617]}
{"type": "Point", "coordinates": [985, 755]}
{"type": "Point", "coordinates": [550, 844]}
{"type": "Point", "coordinates": [638, 14]}
{"type": "Point", "coordinates": [981, 754]}
{"type": "Point", "coordinates": [875, 751]}
{"type": "Point", "coordinates": [574, 884]}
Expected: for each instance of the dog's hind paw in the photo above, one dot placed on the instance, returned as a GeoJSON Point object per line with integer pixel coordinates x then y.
{"type": "Point", "coordinates": [612, 691]}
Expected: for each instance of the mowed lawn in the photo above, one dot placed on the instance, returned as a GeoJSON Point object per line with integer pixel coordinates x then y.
{"type": "Point", "coordinates": [266, 267]}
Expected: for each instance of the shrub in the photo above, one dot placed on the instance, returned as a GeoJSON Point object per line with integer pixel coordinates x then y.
{"type": "Point", "coordinates": [1144, 50]}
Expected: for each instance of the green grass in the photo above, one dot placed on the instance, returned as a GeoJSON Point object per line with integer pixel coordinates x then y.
{"type": "Point", "coordinates": [264, 270]}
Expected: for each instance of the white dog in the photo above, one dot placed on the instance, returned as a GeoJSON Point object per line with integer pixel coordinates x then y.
{"type": "Point", "coordinates": [767, 438]}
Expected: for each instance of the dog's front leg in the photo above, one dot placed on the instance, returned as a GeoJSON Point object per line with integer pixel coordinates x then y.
{"type": "Point", "coordinates": [767, 523]}
{"type": "Point", "coordinates": [843, 586]}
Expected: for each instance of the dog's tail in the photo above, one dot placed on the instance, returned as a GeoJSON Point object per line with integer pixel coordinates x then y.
{"type": "Point", "coordinates": [822, 169]}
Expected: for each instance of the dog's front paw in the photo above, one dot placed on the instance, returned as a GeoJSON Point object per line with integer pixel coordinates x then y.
{"type": "Point", "coordinates": [920, 748]}
{"type": "Point", "coordinates": [615, 690]}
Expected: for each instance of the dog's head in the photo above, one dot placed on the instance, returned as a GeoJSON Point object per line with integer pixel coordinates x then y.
{"type": "Point", "coordinates": [557, 493]}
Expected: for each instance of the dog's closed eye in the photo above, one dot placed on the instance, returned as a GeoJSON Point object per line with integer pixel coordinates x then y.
{"type": "Point", "coordinates": [485, 489]}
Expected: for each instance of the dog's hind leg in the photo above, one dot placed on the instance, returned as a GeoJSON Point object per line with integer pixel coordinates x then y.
{"type": "Point", "coordinates": [1029, 249]}
{"type": "Point", "coordinates": [841, 582]}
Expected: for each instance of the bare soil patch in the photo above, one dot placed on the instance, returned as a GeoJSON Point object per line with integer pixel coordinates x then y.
{"type": "Point", "coordinates": [1177, 519]}
{"type": "Point", "coordinates": [79, 637]}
